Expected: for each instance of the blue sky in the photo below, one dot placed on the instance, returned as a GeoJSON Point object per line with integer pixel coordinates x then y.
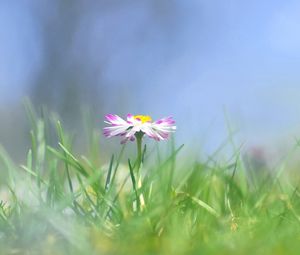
{"type": "Point", "coordinates": [242, 56]}
{"type": "Point", "coordinates": [19, 49]}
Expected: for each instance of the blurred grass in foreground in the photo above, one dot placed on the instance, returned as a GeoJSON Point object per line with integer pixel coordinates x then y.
{"type": "Point", "coordinates": [62, 203]}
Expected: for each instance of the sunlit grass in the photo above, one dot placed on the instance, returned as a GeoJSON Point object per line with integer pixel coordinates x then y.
{"type": "Point", "coordinates": [59, 202]}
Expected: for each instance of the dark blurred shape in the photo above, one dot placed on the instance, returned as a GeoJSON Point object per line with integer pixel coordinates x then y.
{"type": "Point", "coordinates": [71, 77]}
{"type": "Point", "coordinates": [258, 165]}
{"type": "Point", "coordinates": [63, 83]}
{"type": "Point", "coordinates": [96, 55]}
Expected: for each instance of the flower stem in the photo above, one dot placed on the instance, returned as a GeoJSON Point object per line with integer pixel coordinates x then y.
{"type": "Point", "coordinates": [139, 137]}
{"type": "Point", "coordinates": [139, 151]}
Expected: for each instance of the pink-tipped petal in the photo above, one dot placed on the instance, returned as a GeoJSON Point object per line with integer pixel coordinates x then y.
{"type": "Point", "coordinates": [165, 121]}
{"type": "Point", "coordinates": [114, 131]}
{"type": "Point", "coordinates": [124, 140]}
{"type": "Point", "coordinates": [132, 131]}
{"type": "Point", "coordinates": [119, 127]}
{"type": "Point", "coordinates": [130, 118]}
{"type": "Point", "coordinates": [163, 127]}
{"type": "Point", "coordinates": [115, 120]}
{"type": "Point", "coordinates": [150, 132]}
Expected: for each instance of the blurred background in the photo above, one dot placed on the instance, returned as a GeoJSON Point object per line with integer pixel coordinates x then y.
{"type": "Point", "coordinates": [205, 62]}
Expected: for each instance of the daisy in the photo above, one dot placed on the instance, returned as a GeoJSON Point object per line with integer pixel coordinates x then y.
{"type": "Point", "coordinates": [134, 128]}
{"type": "Point", "coordinates": [138, 125]}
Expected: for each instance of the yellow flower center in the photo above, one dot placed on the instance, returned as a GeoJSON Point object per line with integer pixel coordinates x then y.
{"type": "Point", "coordinates": [143, 118]}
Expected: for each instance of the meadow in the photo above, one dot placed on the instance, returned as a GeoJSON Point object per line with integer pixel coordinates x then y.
{"type": "Point", "coordinates": [60, 201]}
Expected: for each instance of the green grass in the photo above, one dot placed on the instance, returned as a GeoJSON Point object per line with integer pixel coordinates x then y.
{"type": "Point", "coordinates": [61, 202]}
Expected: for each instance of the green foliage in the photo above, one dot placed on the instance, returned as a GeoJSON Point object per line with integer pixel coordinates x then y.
{"type": "Point", "coordinates": [61, 203]}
